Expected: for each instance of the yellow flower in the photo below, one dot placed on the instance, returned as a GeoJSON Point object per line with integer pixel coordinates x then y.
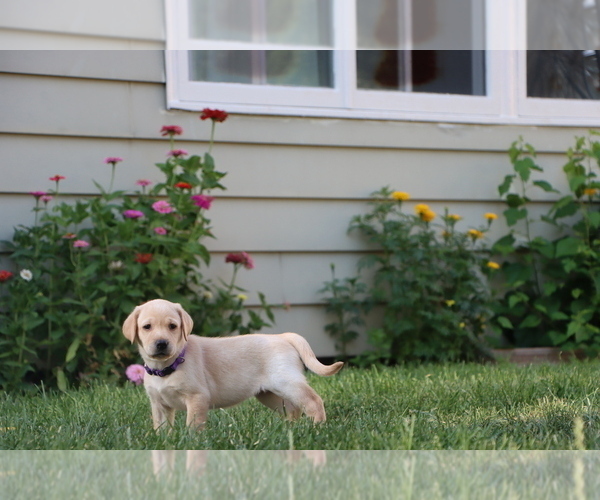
{"type": "Point", "coordinates": [450, 303]}
{"type": "Point", "coordinates": [420, 208]}
{"type": "Point", "coordinates": [242, 297]}
{"type": "Point", "coordinates": [493, 265]}
{"type": "Point", "coordinates": [400, 196]}
{"type": "Point", "coordinates": [462, 325]}
{"type": "Point", "coordinates": [454, 217]}
{"type": "Point", "coordinates": [475, 234]}
{"type": "Point", "coordinates": [427, 215]}
{"type": "Point", "coordinates": [590, 191]}
{"type": "Point", "coordinates": [490, 216]}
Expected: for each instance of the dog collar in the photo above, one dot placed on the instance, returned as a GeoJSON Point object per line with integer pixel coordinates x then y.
{"type": "Point", "coordinates": [169, 369]}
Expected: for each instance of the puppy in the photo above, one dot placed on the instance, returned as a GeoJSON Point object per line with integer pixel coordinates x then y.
{"type": "Point", "coordinates": [192, 373]}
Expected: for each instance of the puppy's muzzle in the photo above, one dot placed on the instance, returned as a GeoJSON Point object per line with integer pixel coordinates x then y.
{"type": "Point", "coordinates": [161, 348]}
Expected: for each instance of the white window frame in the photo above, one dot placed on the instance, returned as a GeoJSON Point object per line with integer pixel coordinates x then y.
{"type": "Point", "coordinates": [505, 102]}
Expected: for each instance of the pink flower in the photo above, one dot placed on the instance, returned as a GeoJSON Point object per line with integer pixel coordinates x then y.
{"type": "Point", "coordinates": [143, 182]}
{"type": "Point", "coordinates": [216, 115]}
{"type": "Point", "coordinates": [240, 258]}
{"type": "Point", "coordinates": [202, 201]}
{"type": "Point", "coordinates": [69, 236]}
{"type": "Point", "coordinates": [38, 194]}
{"type": "Point", "coordinates": [133, 214]}
{"type": "Point", "coordinates": [160, 230]}
{"type": "Point", "coordinates": [171, 130]}
{"type": "Point", "coordinates": [162, 207]}
{"type": "Point", "coordinates": [57, 178]}
{"type": "Point", "coordinates": [135, 373]}
{"type": "Point", "coordinates": [46, 198]}
{"type": "Point", "coordinates": [176, 153]}
{"type": "Point", "coordinates": [113, 160]}
{"type": "Point", "coordinates": [80, 244]}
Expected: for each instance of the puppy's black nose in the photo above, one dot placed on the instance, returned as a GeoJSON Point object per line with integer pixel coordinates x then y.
{"type": "Point", "coordinates": [162, 345]}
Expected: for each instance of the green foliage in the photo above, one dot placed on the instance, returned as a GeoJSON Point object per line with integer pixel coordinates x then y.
{"type": "Point", "coordinates": [83, 267]}
{"type": "Point", "coordinates": [551, 285]}
{"type": "Point", "coordinates": [428, 285]}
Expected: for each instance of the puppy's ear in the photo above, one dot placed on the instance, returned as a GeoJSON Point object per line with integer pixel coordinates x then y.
{"type": "Point", "coordinates": [187, 323]}
{"type": "Point", "coordinates": [130, 328]}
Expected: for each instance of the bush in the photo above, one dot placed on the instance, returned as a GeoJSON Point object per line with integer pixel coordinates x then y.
{"type": "Point", "coordinates": [82, 268]}
{"type": "Point", "coordinates": [429, 282]}
{"type": "Point", "coordinates": [550, 286]}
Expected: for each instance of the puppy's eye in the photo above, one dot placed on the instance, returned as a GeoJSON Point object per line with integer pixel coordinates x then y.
{"type": "Point", "coordinates": [147, 327]}
{"type": "Point", "coordinates": [172, 326]}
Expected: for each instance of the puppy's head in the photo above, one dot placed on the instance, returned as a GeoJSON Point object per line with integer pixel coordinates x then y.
{"type": "Point", "coordinates": [159, 327]}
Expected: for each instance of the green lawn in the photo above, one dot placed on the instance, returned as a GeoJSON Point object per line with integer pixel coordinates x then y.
{"type": "Point", "coordinates": [429, 407]}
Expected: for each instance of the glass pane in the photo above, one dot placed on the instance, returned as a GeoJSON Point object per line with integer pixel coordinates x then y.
{"type": "Point", "coordinates": [434, 71]}
{"type": "Point", "coordinates": [561, 36]}
{"type": "Point", "coordinates": [421, 24]}
{"type": "Point", "coordinates": [288, 22]}
{"type": "Point", "coordinates": [299, 68]}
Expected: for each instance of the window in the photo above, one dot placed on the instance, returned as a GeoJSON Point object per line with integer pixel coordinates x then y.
{"type": "Point", "coordinates": [478, 61]}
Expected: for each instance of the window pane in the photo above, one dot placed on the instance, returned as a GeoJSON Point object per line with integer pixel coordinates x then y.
{"type": "Point", "coordinates": [435, 71]}
{"type": "Point", "coordinates": [288, 22]}
{"type": "Point", "coordinates": [299, 68]}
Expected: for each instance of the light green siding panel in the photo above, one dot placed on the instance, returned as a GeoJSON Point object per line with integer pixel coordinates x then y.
{"type": "Point", "coordinates": [146, 65]}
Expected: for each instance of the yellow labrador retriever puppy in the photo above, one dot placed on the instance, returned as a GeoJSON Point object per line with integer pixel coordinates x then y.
{"type": "Point", "coordinates": [192, 373]}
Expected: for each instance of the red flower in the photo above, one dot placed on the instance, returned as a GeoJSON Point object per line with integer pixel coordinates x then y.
{"type": "Point", "coordinates": [240, 258]}
{"type": "Point", "coordinates": [216, 115]}
{"type": "Point", "coordinates": [5, 276]}
{"type": "Point", "coordinates": [171, 130]}
{"type": "Point", "coordinates": [57, 178]}
{"type": "Point", "coordinates": [144, 258]}
{"type": "Point", "coordinates": [184, 185]}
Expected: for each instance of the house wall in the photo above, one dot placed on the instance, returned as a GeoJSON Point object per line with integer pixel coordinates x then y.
{"type": "Point", "coordinates": [293, 183]}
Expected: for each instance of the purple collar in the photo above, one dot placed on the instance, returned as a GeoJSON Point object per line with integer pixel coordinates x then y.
{"type": "Point", "coordinates": [169, 369]}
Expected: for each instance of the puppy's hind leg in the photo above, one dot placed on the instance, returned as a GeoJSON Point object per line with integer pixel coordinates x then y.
{"type": "Point", "coordinates": [279, 404]}
{"type": "Point", "coordinates": [305, 397]}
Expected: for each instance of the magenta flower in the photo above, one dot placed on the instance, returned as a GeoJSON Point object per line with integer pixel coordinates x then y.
{"type": "Point", "coordinates": [133, 214]}
{"type": "Point", "coordinates": [176, 153]}
{"type": "Point", "coordinates": [202, 201]}
{"type": "Point", "coordinates": [160, 230]}
{"type": "Point", "coordinates": [46, 198]}
{"type": "Point", "coordinates": [240, 258]}
{"type": "Point", "coordinates": [143, 182]}
{"type": "Point", "coordinates": [112, 160]}
{"type": "Point", "coordinates": [80, 244]}
{"type": "Point", "coordinates": [135, 373]}
{"type": "Point", "coordinates": [162, 207]}
{"type": "Point", "coordinates": [57, 178]}
{"type": "Point", "coordinates": [38, 194]}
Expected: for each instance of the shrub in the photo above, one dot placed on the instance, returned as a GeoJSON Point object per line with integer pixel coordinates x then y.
{"type": "Point", "coordinates": [551, 285]}
{"type": "Point", "coordinates": [429, 285]}
{"type": "Point", "coordinates": [83, 266]}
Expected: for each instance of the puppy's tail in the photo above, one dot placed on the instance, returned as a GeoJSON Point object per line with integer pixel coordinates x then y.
{"type": "Point", "coordinates": [308, 356]}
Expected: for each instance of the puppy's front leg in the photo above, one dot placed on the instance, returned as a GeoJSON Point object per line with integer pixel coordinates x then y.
{"type": "Point", "coordinates": [197, 411]}
{"type": "Point", "coordinates": [162, 415]}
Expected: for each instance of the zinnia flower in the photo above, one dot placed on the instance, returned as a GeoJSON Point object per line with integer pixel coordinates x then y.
{"type": "Point", "coordinates": [38, 194]}
{"type": "Point", "coordinates": [46, 198]}
{"type": "Point", "coordinates": [184, 185]}
{"type": "Point", "coordinates": [162, 207]}
{"type": "Point", "coordinates": [450, 303]}
{"type": "Point", "coordinates": [421, 207]}
{"type": "Point", "coordinates": [427, 215]}
{"type": "Point", "coordinates": [135, 373]}
{"type": "Point", "coordinates": [454, 217]}
{"type": "Point", "coordinates": [133, 214]}
{"type": "Point", "coordinates": [57, 178]}
{"type": "Point", "coordinates": [5, 276]}
{"type": "Point", "coordinates": [202, 201]}
{"type": "Point", "coordinates": [115, 265]}
{"type": "Point", "coordinates": [171, 130]}
{"type": "Point", "coordinates": [176, 153]}
{"type": "Point", "coordinates": [400, 196]}
{"type": "Point", "coordinates": [493, 265]}
{"type": "Point", "coordinates": [216, 115]}
{"type": "Point", "coordinates": [143, 182]}
{"type": "Point", "coordinates": [112, 160]}
{"type": "Point", "coordinates": [69, 236]}
{"type": "Point", "coordinates": [241, 297]}
{"type": "Point", "coordinates": [80, 244]}
{"type": "Point", "coordinates": [160, 230]}
{"type": "Point", "coordinates": [475, 234]}
{"type": "Point", "coordinates": [144, 258]}
{"type": "Point", "coordinates": [241, 258]}
{"type": "Point", "coordinates": [26, 274]}
{"type": "Point", "coordinates": [590, 191]}
{"type": "Point", "coordinates": [490, 216]}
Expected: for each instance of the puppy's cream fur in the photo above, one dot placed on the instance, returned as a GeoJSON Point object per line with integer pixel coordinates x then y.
{"type": "Point", "coordinates": [223, 371]}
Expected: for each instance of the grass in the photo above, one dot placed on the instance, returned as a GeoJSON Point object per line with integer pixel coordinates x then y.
{"type": "Point", "coordinates": [429, 407]}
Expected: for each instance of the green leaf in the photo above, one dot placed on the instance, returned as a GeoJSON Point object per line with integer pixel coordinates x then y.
{"type": "Point", "coordinates": [505, 186]}
{"type": "Point", "coordinates": [567, 246]}
{"type": "Point", "coordinates": [61, 380]}
{"type": "Point", "coordinates": [514, 215]}
{"type": "Point", "coordinates": [514, 200]}
{"type": "Point", "coordinates": [72, 351]}
{"type": "Point", "coordinates": [530, 321]}
{"type": "Point", "coordinates": [504, 322]}
{"type": "Point", "coordinates": [523, 167]}
{"type": "Point", "coordinates": [546, 186]}
{"type": "Point", "coordinates": [594, 218]}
